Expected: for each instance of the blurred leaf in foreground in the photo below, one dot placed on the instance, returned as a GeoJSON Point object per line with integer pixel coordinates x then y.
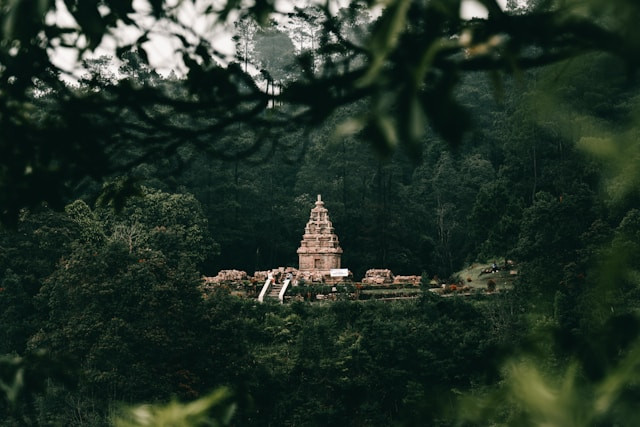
{"type": "Point", "coordinates": [215, 409]}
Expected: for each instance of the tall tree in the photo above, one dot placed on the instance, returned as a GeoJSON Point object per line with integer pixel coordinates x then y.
{"type": "Point", "coordinates": [245, 31]}
{"type": "Point", "coordinates": [125, 302]}
{"type": "Point", "coordinates": [275, 54]}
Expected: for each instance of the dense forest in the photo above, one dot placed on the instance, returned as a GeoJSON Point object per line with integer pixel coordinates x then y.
{"type": "Point", "coordinates": [126, 186]}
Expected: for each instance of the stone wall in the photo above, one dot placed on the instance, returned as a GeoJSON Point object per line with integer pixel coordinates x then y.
{"type": "Point", "coordinates": [407, 280]}
{"type": "Point", "coordinates": [227, 276]}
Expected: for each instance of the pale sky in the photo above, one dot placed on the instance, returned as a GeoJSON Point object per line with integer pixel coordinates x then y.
{"type": "Point", "coordinates": [161, 49]}
{"type": "Point", "coordinates": [473, 9]}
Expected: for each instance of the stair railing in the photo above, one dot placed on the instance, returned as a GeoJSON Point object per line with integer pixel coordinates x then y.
{"type": "Point", "coordinates": [265, 289]}
{"type": "Point", "coordinates": [285, 285]}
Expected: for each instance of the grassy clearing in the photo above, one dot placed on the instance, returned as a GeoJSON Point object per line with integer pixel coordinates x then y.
{"type": "Point", "coordinates": [475, 276]}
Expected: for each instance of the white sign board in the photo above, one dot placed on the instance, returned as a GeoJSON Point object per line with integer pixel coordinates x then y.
{"type": "Point", "coordinates": [339, 272]}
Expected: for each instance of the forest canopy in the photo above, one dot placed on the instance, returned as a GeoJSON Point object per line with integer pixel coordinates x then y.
{"type": "Point", "coordinates": [405, 68]}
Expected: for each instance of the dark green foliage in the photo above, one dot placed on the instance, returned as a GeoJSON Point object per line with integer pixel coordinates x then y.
{"type": "Point", "coordinates": [405, 68]}
{"type": "Point", "coordinates": [23, 379]}
{"type": "Point", "coordinates": [541, 167]}
{"type": "Point", "coordinates": [352, 363]}
{"type": "Point", "coordinates": [119, 315]}
{"type": "Point", "coordinates": [29, 254]}
{"type": "Point", "coordinates": [115, 297]}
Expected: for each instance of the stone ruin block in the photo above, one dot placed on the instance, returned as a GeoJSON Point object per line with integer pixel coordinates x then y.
{"type": "Point", "coordinates": [311, 277]}
{"type": "Point", "coordinates": [378, 276]}
{"type": "Point", "coordinates": [227, 276]}
{"type": "Point", "coordinates": [261, 276]}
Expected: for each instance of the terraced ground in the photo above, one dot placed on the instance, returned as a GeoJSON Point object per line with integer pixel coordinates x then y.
{"type": "Point", "coordinates": [473, 279]}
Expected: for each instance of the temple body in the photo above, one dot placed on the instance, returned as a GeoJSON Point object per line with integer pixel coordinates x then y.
{"type": "Point", "coordinates": [320, 249]}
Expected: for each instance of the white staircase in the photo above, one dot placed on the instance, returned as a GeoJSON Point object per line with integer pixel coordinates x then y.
{"type": "Point", "coordinates": [274, 290]}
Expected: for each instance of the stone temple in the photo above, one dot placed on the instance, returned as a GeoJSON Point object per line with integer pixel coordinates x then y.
{"type": "Point", "coordinates": [319, 250]}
